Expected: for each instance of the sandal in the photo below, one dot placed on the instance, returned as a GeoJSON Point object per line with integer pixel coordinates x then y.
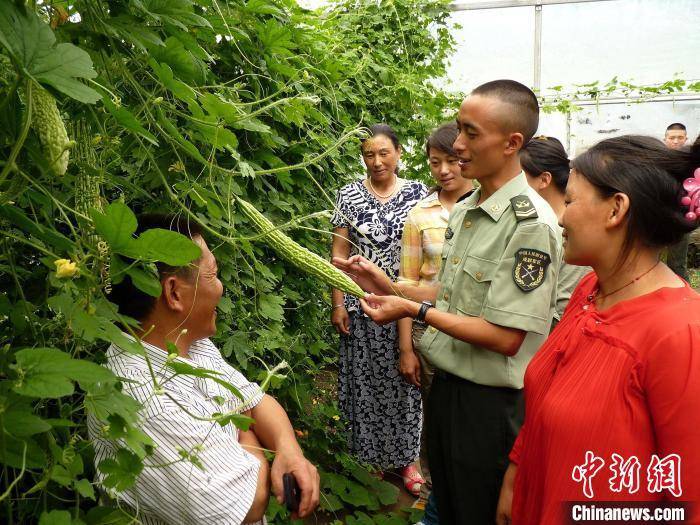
{"type": "Point", "coordinates": [412, 480]}
{"type": "Point", "coordinates": [420, 503]}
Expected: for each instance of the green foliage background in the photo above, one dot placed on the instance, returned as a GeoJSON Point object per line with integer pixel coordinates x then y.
{"type": "Point", "coordinates": [178, 106]}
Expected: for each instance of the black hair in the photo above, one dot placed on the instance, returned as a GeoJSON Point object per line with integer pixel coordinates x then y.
{"type": "Point", "coordinates": [129, 299]}
{"type": "Point", "coordinates": [443, 139]}
{"type": "Point", "coordinates": [384, 129]}
{"type": "Point", "coordinates": [651, 175]}
{"type": "Point", "coordinates": [676, 125]}
{"type": "Point", "coordinates": [387, 131]}
{"type": "Point", "coordinates": [525, 117]}
{"type": "Point", "coordinates": [546, 154]}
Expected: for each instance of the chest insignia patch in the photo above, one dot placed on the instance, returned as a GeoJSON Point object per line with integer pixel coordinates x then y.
{"type": "Point", "coordinates": [449, 233]}
{"type": "Point", "coordinates": [530, 268]}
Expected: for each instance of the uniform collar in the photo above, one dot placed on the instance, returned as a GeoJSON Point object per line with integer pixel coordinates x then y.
{"type": "Point", "coordinates": [499, 202]}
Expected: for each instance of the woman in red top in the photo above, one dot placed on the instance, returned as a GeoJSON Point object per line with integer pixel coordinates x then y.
{"type": "Point", "coordinates": [613, 396]}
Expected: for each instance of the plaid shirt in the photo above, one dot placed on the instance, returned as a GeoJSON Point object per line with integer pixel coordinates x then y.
{"type": "Point", "coordinates": [421, 244]}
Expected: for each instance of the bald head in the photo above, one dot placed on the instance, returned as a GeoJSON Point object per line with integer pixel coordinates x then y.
{"type": "Point", "coordinates": [520, 112]}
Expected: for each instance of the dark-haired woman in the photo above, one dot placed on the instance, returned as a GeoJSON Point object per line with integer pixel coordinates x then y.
{"type": "Point", "coordinates": [421, 258]}
{"type": "Point", "coordinates": [383, 410]}
{"type": "Point", "coordinates": [546, 165]}
{"type": "Point", "coordinates": [613, 396]}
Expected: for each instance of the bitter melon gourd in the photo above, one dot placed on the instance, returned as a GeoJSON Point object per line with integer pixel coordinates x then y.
{"type": "Point", "coordinates": [298, 255]}
{"type": "Point", "coordinates": [89, 168]}
{"type": "Point", "coordinates": [47, 122]}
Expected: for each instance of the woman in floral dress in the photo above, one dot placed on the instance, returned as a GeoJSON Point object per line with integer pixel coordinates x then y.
{"type": "Point", "coordinates": [383, 410]}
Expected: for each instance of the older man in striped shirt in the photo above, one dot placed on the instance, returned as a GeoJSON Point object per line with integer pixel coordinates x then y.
{"type": "Point", "coordinates": [199, 472]}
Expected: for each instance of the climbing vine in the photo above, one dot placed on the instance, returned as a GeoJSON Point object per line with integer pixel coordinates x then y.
{"type": "Point", "coordinates": [181, 106]}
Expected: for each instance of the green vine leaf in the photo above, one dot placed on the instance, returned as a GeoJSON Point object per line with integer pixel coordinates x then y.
{"type": "Point", "coordinates": [20, 423]}
{"type": "Point", "coordinates": [85, 488]}
{"type": "Point", "coordinates": [127, 119]}
{"type": "Point", "coordinates": [238, 420]}
{"type": "Point", "coordinates": [146, 281]}
{"type": "Point", "coordinates": [55, 517]}
{"type": "Point", "coordinates": [116, 225]}
{"type": "Point", "coordinates": [270, 307]}
{"type": "Point", "coordinates": [173, 134]}
{"type": "Point", "coordinates": [184, 64]}
{"type": "Point", "coordinates": [166, 246]}
{"type": "Point", "coordinates": [50, 373]}
{"type": "Point", "coordinates": [104, 400]}
{"type": "Point", "coordinates": [32, 46]}
{"type": "Point", "coordinates": [135, 439]}
{"type": "Point", "coordinates": [121, 470]}
{"type": "Point", "coordinates": [133, 30]}
{"type": "Point", "coordinates": [177, 87]}
{"type": "Point", "coordinates": [61, 476]}
{"type": "Point", "coordinates": [179, 13]}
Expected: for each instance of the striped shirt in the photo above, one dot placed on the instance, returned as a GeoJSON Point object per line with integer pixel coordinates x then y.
{"type": "Point", "coordinates": [421, 244]}
{"type": "Point", "coordinates": [177, 491]}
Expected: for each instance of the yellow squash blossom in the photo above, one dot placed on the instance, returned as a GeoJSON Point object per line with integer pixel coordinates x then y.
{"type": "Point", "coordinates": [65, 268]}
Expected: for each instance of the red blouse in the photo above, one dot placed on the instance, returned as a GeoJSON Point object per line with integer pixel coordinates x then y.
{"type": "Point", "coordinates": [625, 381]}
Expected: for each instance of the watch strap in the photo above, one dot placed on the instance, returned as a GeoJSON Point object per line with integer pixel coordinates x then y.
{"type": "Point", "coordinates": [424, 307]}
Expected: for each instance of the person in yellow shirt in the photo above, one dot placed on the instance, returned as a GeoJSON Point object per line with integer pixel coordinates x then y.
{"type": "Point", "coordinates": [421, 250]}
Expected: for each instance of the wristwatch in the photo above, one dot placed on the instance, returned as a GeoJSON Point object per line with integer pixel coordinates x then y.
{"type": "Point", "coordinates": [424, 307]}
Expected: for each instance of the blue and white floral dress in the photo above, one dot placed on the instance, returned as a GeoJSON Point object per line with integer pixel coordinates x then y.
{"type": "Point", "coordinates": [382, 409]}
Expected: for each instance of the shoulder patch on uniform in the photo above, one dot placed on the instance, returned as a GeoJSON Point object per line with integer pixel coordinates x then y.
{"type": "Point", "coordinates": [523, 208]}
{"type": "Point", "coordinates": [530, 268]}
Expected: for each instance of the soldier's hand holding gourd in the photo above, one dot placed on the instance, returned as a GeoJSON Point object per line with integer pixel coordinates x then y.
{"type": "Point", "coordinates": [383, 309]}
{"type": "Point", "coordinates": [368, 275]}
